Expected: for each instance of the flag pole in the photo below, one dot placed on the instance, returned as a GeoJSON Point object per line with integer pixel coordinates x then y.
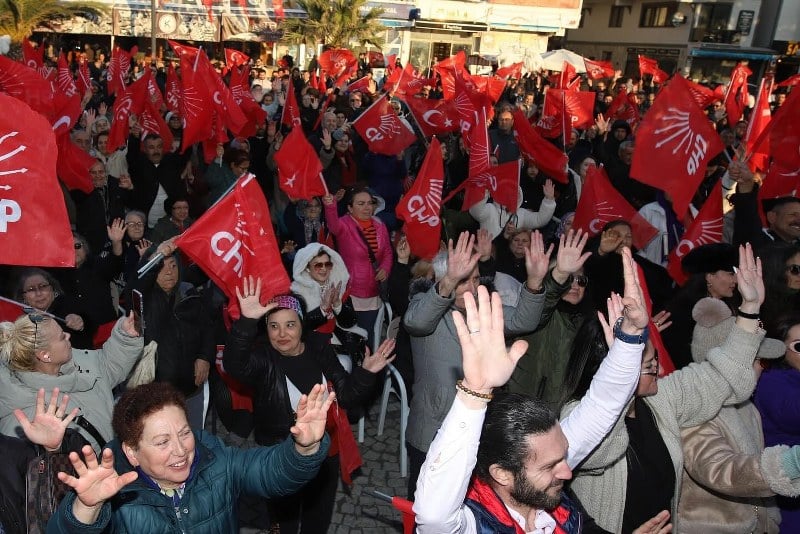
{"type": "Point", "coordinates": [324, 185]}
{"type": "Point", "coordinates": [27, 310]}
{"type": "Point", "coordinates": [424, 139]}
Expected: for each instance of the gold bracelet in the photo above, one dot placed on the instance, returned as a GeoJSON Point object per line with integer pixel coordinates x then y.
{"type": "Point", "coordinates": [486, 397]}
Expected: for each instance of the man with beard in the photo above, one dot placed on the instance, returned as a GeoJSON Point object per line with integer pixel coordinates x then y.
{"type": "Point", "coordinates": [500, 466]}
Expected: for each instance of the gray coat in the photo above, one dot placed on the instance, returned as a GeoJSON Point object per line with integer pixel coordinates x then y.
{"type": "Point", "coordinates": [88, 377]}
{"type": "Point", "coordinates": [437, 355]}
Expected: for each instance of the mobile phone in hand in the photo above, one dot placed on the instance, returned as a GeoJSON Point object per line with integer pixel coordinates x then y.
{"type": "Point", "coordinates": [137, 304]}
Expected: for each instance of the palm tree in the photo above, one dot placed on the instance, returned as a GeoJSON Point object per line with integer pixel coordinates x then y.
{"type": "Point", "coordinates": [19, 18]}
{"type": "Point", "coordinates": [335, 23]}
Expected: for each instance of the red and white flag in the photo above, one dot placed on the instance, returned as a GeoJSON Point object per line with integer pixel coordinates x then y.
{"type": "Point", "coordinates": [600, 204]}
{"type": "Point", "coordinates": [674, 144]}
{"type": "Point", "coordinates": [434, 117]}
{"type": "Point", "coordinates": [491, 86]}
{"type": "Point", "coordinates": [650, 66]}
{"type": "Point", "coordinates": [478, 144]}
{"type": "Point", "coordinates": [11, 310]}
{"type": "Point", "coordinates": [291, 109]}
{"type": "Point", "coordinates": [703, 95]}
{"type": "Point", "coordinates": [130, 100]}
{"type": "Point", "coordinates": [33, 56]}
{"type": "Point", "coordinates": [66, 100]}
{"type": "Point", "coordinates": [549, 159]}
{"type": "Point", "coordinates": [240, 89]}
{"type": "Point", "coordinates": [235, 58]}
{"type": "Point", "coordinates": [784, 135]}
{"type": "Point", "coordinates": [31, 202]}
{"type": "Point", "coordinates": [513, 71]}
{"type": "Point", "coordinates": [382, 129]}
{"type": "Point", "coordinates": [597, 70]}
{"type": "Point", "coordinates": [706, 228]}
{"type": "Point", "coordinates": [27, 85]}
{"type": "Point", "coordinates": [502, 182]}
{"type": "Point", "coordinates": [299, 168]}
{"type": "Point", "coordinates": [234, 239]}
{"type": "Point", "coordinates": [624, 107]}
{"type": "Point", "coordinates": [420, 207]}
{"type": "Point", "coordinates": [173, 93]}
{"type": "Point", "coordinates": [736, 95]}
{"type": "Point", "coordinates": [84, 78]}
{"type": "Point", "coordinates": [189, 52]}
{"type": "Point", "coordinates": [361, 84]}
{"type": "Point", "coordinates": [118, 68]}
{"type": "Point", "coordinates": [408, 83]}
{"type": "Point", "coordinates": [196, 108]}
{"type": "Point", "coordinates": [224, 105]}
{"type": "Point", "coordinates": [759, 122]}
{"type": "Point", "coordinates": [73, 164]}
{"type": "Point", "coordinates": [791, 81]}
{"type": "Point", "coordinates": [337, 61]}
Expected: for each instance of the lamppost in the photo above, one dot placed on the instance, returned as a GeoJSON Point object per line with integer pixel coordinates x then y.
{"type": "Point", "coordinates": [153, 26]}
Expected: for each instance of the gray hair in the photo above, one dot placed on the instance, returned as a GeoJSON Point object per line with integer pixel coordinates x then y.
{"type": "Point", "coordinates": [439, 263]}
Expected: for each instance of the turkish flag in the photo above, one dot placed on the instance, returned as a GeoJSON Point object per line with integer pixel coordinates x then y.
{"type": "Point", "coordinates": [196, 108]}
{"type": "Point", "coordinates": [130, 100]}
{"type": "Point", "coordinates": [514, 71]}
{"type": "Point", "coordinates": [382, 129]}
{"type": "Point", "coordinates": [291, 110]}
{"type": "Point", "coordinates": [240, 89]}
{"type": "Point", "coordinates": [222, 101]}
{"type": "Point", "coordinates": [235, 58]}
{"type": "Point", "coordinates": [337, 61]}
{"type": "Point", "coordinates": [736, 94]}
{"type": "Point", "coordinates": [674, 143]}
{"type": "Point", "coordinates": [759, 122]}
{"type": "Point", "coordinates": [650, 66]}
{"type": "Point", "coordinates": [549, 159]}
{"type": "Point", "coordinates": [600, 203]}
{"type": "Point", "coordinates": [434, 117]}
{"type": "Point", "coordinates": [705, 228]}
{"type": "Point", "coordinates": [703, 95]}
{"type": "Point", "coordinates": [189, 52]}
{"type": "Point", "coordinates": [624, 107]}
{"type": "Point", "coordinates": [27, 85]}
{"type": "Point", "coordinates": [234, 239]}
{"type": "Point", "coordinates": [502, 182]}
{"type": "Point", "coordinates": [299, 168]}
{"type": "Point", "coordinates": [784, 135]}
{"type": "Point", "coordinates": [597, 70]}
{"type": "Point", "coordinates": [73, 164]}
{"type": "Point", "coordinates": [32, 209]}
{"type": "Point", "coordinates": [420, 207]}
{"type": "Point", "coordinates": [478, 145]}
{"type": "Point", "coordinates": [84, 77]}
{"type": "Point", "coordinates": [173, 94]}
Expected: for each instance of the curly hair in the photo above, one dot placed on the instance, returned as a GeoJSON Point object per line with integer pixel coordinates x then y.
{"type": "Point", "coordinates": [139, 403]}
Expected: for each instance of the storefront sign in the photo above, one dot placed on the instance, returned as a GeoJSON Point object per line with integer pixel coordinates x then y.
{"type": "Point", "coordinates": [745, 22]}
{"type": "Point", "coordinates": [170, 25]}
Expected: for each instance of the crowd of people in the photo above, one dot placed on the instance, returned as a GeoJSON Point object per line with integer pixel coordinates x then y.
{"type": "Point", "coordinates": [574, 428]}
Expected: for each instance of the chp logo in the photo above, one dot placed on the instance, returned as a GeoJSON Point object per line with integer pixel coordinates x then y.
{"type": "Point", "coordinates": [604, 213]}
{"type": "Point", "coordinates": [388, 127]}
{"type": "Point", "coordinates": [230, 247]}
{"type": "Point", "coordinates": [10, 210]}
{"type": "Point", "coordinates": [425, 210]}
{"type": "Point", "coordinates": [710, 232]}
{"type": "Point", "coordinates": [676, 131]}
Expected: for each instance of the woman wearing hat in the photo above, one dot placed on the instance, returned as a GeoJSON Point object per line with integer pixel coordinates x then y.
{"type": "Point", "coordinates": [729, 479]}
{"type": "Point", "coordinates": [710, 270]}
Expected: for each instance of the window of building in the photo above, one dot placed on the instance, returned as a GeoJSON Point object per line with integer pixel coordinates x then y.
{"type": "Point", "coordinates": [711, 23]}
{"type": "Point", "coordinates": [585, 12]}
{"type": "Point", "coordinates": [615, 19]}
{"type": "Point", "coordinates": [657, 15]}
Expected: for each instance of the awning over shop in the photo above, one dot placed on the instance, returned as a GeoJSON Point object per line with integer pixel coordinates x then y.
{"type": "Point", "coordinates": [753, 54]}
{"type": "Point", "coordinates": [453, 26]}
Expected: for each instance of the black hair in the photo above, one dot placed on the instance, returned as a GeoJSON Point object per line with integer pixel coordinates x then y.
{"type": "Point", "coordinates": [510, 419]}
{"type": "Point", "coordinates": [589, 349]}
{"type": "Point", "coordinates": [779, 297]}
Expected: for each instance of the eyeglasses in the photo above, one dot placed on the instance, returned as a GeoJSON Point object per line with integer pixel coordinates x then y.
{"type": "Point", "coordinates": [78, 245]}
{"type": "Point", "coordinates": [321, 265]}
{"type": "Point", "coordinates": [793, 269]}
{"type": "Point", "coordinates": [44, 286]}
{"type": "Point", "coordinates": [794, 345]}
{"type": "Point", "coordinates": [581, 280]}
{"type": "Point", "coordinates": [134, 224]}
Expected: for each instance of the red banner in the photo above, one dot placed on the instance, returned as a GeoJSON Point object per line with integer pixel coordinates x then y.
{"type": "Point", "coordinates": [383, 130]}
{"type": "Point", "coordinates": [299, 168]}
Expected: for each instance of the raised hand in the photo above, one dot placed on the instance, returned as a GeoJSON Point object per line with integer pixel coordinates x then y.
{"type": "Point", "coordinates": [116, 231]}
{"type": "Point", "coordinates": [383, 356]}
{"type": "Point", "coordinates": [635, 316]}
{"type": "Point", "coordinates": [125, 182]}
{"type": "Point", "coordinates": [461, 261]}
{"type": "Point", "coordinates": [486, 362]}
{"type": "Point", "coordinates": [749, 279]}
{"type": "Point", "coordinates": [250, 299]}
{"type": "Point", "coordinates": [483, 244]}
{"type": "Point", "coordinates": [403, 250]}
{"type": "Point", "coordinates": [142, 246]}
{"type": "Point", "coordinates": [102, 109]}
{"type": "Point", "coordinates": [328, 199]}
{"type": "Point", "coordinates": [537, 261]}
{"type": "Point", "coordinates": [326, 139]}
{"type": "Point", "coordinates": [661, 320]}
{"type": "Point", "coordinates": [615, 308]}
{"type": "Point", "coordinates": [549, 189]}
{"type": "Point", "coordinates": [312, 414]}
{"type": "Point", "coordinates": [570, 256]}
{"type": "Point", "coordinates": [49, 424]}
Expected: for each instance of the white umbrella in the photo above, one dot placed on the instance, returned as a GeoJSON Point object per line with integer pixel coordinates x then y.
{"type": "Point", "coordinates": [554, 60]}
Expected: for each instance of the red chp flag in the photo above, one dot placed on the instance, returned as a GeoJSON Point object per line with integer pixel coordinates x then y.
{"type": "Point", "coordinates": [118, 68]}
{"type": "Point", "coordinates": [421, 205]}
{"type": "Point", "coordinates": [549, 159]}
{"type": "Point", "coordinates": [33, 57]}
{"type": "Point", "coordinates": [73, 164]}
{"type": "Point", "coordinates": [478, 143]}
{"type": "Point", "coordinates": [291, 110]}
{"type": "Point", "coordinates": [31, 202]}
{"type": "Point", "coordinates": [650, 66]}
{"type": "Point", "coordinates": [674, 143]}
{"type": "Point", "coordinates": [434, 117]}
{"type": "Point", "coordinates": [759, 122]}
{"type": "Point", "coordinates": [408, 84]}
{"type": "Point", "coordinates": [234, 239]}
{"type": "Point", "coordinates": [703, 95]}
{"type": "Point", "coordinates": [600, 203]}
{"type": "Point", "coordinates": [574, 108]}
{"type": "Point", "coordinates": [568, 74]}
{"type": "Point", "coordinates": [514, 71]}
{"type": "Point", "coordinates": [196, 108]}
{"type": "Point", "coordinates": [502, 182]}
{"type": "Point", "coordinates": [172, 93]}
{"type": "Point", "coordinates": [736, 94]}
{"type": "Point", "coordinates": [383, 130]}
{"type": "Point", "coordinates": [706, 228]}
{"type": "Point", "coordinates": [624, 107]}
{"type": "Point", "coordinates": [784, 135]}
{"type": "Point", "coordinates": [83, 75]}
{"type": "Point", "coordinates": [27, 85]}
{"type": "Point", "coordinates": [299, 168]}
{"type": "Point", "coordinates": [235, 58]}
{"type": "Point", "coordinates": [240, 89]}
{"type": "Point", "coordinates": [130, 100]}
{"type": "Point", "coordinates": [597, 70]}
{"type": "Point", "coordinates": [337, 61]}
{"type": "Point", "coordinates": [228, 112]}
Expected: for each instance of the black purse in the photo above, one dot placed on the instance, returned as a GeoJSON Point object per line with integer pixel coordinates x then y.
{"type": "Point", "coordinates": [352, 344]}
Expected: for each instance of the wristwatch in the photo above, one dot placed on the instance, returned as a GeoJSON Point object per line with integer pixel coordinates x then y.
{"type": "Point", "coordinates": [636, 339]}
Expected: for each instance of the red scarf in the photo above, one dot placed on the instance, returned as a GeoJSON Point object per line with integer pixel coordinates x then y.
{"type": "Point", "coordinates": [342, 440]}
{"type": "Point", "coordinates": [483, 494]}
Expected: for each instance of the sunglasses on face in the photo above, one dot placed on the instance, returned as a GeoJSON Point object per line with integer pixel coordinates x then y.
{"type": "Point", "coordinates": [793, 269]}
{"type": "Point", "coordinates": [581, 280]}
{"type": "Point", "coordinates": [322, 265]}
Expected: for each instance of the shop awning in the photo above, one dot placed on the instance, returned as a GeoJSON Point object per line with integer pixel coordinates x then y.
{"type": "Point", "coordinates": [754, 54]}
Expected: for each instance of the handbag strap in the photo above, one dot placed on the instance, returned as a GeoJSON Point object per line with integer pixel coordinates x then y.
{"type": "Point", "coordinates": [372, 259]}
{"type": "Point", "coordinates": [84, 423]}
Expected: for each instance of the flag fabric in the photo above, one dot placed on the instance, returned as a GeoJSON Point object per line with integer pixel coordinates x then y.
{"type": "Point", "coordinates": [10, 310]}
{"type": "Point", "coordinates": [337, 61]}
{"type": "Point", "coordinates": [154, 95]}
{"type": "Point", "coordinates": [674, 143]}
{"type": "Point", "coordinates": [576, 108]}
{"type": "Point", "coordinates": [568, 74]}
{"type": "Point", "coordinates": [84, 78]}
{"type": "Point", "coordinates": [600, 203]}
{"type": "Point", "coordinates": [228, 113]}
{"type": "Point", "coordinates": [624, 107]}
{"type": "Point", "coordinates": [32, 207]}
{"type": "Point", "coordinates": [701, 94]}
{"type": "Point", "coordinates": [152, 122]}
{"type": "Point", "coordinates": [650, 66]}
{"type": "Point", "coordinates": [502, 182]}
{"type": "Point", "coordinates": [66, 99]}
{"type": "Point", "coordinates": [784, 135]}
{"type": "Point", "coordinates": [130, 100]}
{"type": "Point", "coordinates": [235, 58]}
{"type": "Point", "coordinates": [299, 168]}
{"type": "Point", "coordinates": [118, 68]}
{"type": "Point", "coordinates": [758, 124]}
{"type": "Point", "coordinates": [27, 85]}
{"type": "Point", "coordinates": [277, 8]}
{"type": "Point", "coordinates": [420, 207]}
{"type": "Point", "coordinates": [234, 239]}
{"type": "Point", "coordinates": [549, 159]}
{"type": "Point", "coordinates": [73, 164]}
{"type": "Point", "coordinates": [196, 108]}
{"type": "Point", "coordinates": [511, 71]}
{"type": "Point", "coordinates": [779, 182]}
{"type": "Point", "coordinates": [382, 129]}
{"type": "Point", "coordinates": [736, 93]}
{"type": "Point", "coordinates": [407, 84]}
{"type": "Point", "coordinates": [183, 51]}
{"type": "Point", "coordinates": [491, 86]}
{"type": "Point", "coordinates": [597, 70]}
{"type": "Point", "coordinates": [240, 89]}
{"type": "Point", "coordinates": [33, 57]}
{"type": "Point", "coordinates": [290, 116]}
{"type": "Point", "coordinates": [478, 144]}
{"type": "Point", "coordinates": [791, 81]}
{"type": "Point", "coordinates": [361, 84]}
{"type": "Point", "coordinates": [706, 228]}
{"type": "Point", "coordinates": [665, 367]}
{"type": "Point", "coordinates": [434, 117]}
{"type": "Point", "coordinates": [550, 123]}
{"type": "Point", "coordinates": [172, 93]}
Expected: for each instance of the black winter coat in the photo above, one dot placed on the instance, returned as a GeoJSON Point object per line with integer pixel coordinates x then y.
{"type": "Point", "coordinates": [257, 365]}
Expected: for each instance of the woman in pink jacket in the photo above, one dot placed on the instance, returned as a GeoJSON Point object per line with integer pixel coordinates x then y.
{"type": "Point", "coordinates": [363, 242]}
